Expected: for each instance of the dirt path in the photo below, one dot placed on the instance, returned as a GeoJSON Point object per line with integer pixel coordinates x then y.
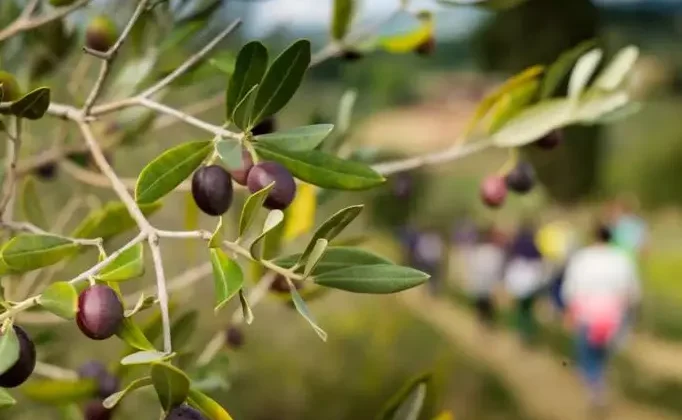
{"type": "Point", "coordinates": [655, 356]}
{"type": "Point", "coordinates": [546, 389]}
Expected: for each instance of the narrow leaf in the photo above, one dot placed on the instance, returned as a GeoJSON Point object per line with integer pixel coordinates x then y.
{"type": "Point", "coordinates": [617, 70]}
{"type": "Point", "coordinates": [512, 103]}
{"type": "Point", "coordinates": [533, 123]}
{"type": "Point", "coordinates": [336, 257]}
{"type": "Point", "coordinates": [33, 105]}
{"type": "Point", "coordinates": [322, 169]}
{"type": "Point", "coordinates": [298, 139]}
{"type": "Point", "coordinates": [59, 391]}
{"type": "Point", "coordinates": [133, 336]}
{"type": "Point", "coordinates": [30, 203]}
{"type": "Point", "coordinates": [143, 302]}
{"type": "Point", "coordinates": [208, 407]}
{"type": "Point", "coordinates": [242, 112]}
{"type": "Point", "coordinates": [9, 349]}
{"type": "Point", "coordinates": [146, 357]}
{"type": "Point", "coordinates": [246, 308]}
{"type": "Point", "coordinates": [6, 399]}
{"type": "Point", "coordinates": [113, 219]}
{"type": "Point", "coordinates": [557, 72]}
{"type": "Point", "coordinates": [169, 169]}
{"type": "Point", "coordinates": [582, 72]}
{"type": "Point", "coordinates": [113, 399]}
{"type": "Point", "coordinates": [171, 385]}
{"type": "Point", "coordinates": [227, 276]}
{"type": "Point", "coordinates": [274, 218]}
{"type": "Point", "coordinates": [375, 279]}
{"type": "Point", "coordinates": [341, 18]}
{"type": "Point", "coordinates": [230, 153]}
{"type": "Point", "coordinates": [331, 228]}
{"type": "Point", "coordinates": [29, 251]}
{"type": "Point", "coordinates": [253, 203]}
{"type": "Point", "coordinates": [302, 309]}
{"type": "Point", "coordinates": [315, 256]}
{"type": "Point", "coordinates": [60, 298]}
{"type": "Point", "coordinates": [128, 265]}
{"type": "Point", "coordinates": [251, 64]}
{"type": "Point", "coordinates": [409, 401]}
{"type": "Point", "coordinates": [281, 81]}
{"type": "Point", "coordinates": [217, 237]}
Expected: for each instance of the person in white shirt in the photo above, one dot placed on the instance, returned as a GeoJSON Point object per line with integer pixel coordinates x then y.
{"type": "Point", "coordinates": [484, 268]}
{"type": "Point", "coordinates": [600, 288]}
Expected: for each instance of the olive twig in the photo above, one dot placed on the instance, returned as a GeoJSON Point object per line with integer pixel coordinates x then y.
{"type": "Point", "coordinates": [25, 22]}
{"type": "Point", "coordinates": [13, 148]}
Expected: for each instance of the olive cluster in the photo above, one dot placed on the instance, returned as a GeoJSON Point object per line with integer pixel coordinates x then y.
{"type": "Point", "coordinates": [212, 185]}
{"type": "Point", "coordinates": [521, 179]}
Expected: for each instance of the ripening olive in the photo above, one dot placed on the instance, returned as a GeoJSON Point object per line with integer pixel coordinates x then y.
{"type": "Point", "coordinates": [551, 140]}
{"type": "Point", "coordinates": [101, 34]}
{"type": "Point", "coordinates": [184, 412]}
{"type": "Point", "coordinates": [10, 87]}
{"type": "Point", "coordinates": [266, 126]}
{"type": "Point", "coordinates": [46, 171]}
{"type": "Point", "coordinates": [212, 189]}
{"type": "Point", "coordinates": [107, 383]}
{"type": "Point", "coordinates": [427, 47]}
{"type": "Point", "coordinates": [100, 312]}
{"type": "Point", "coordinates": [94, 410]}
{"type": "Point", "coordinates": [23, 367]}
{"type": "Point", "coordinates": [493, 191]}
{"type": "Point", "coordinates": [241, 174]}
{"type": "Point", "coordinates": [284, 190]}
{"type": "Point", "coordinates": [521, 179]}
{"type": "Point", "coordinates": [234, 337]}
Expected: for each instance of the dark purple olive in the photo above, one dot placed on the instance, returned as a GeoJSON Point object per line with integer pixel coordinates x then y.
{"type": "Point", "coordinates": [107, 383]}
{"type": "Point", "coordinates": [212, 189]}
{"type": "Point", "coordinates": [23, 367]}
{"type": "Point", "coordinates": [427, 47]}
{"type": "Point", "coordinates": [493, 191]}
{"type": "Point", "coordinates": [240, 175]}
{"type": "Point", "coordinates": [94, 410]}
{"type": "Point", "coordinates": [234, 337]}
{"type": "Point", "coordinates": [551, 140]}
{"type": "Point", "coordinates": [284, 190]}
{"type": "Point", "coordinates": [100, 312]}
{"type": "Point", "coordinates": [521, 179]}
{"type": "Point", "coordinates": [351, 55]}
{"type": "Point", "coordinates": [184, 412]}
{"type": "Point", "coordinates": [266, 126]}
{"type": "Point", "coordinates": [46, 171]}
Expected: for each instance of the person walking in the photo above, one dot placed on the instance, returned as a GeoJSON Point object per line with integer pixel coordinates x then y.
{"type": "Point", "coordinates": [524, 278]}
{"type": "Point", "coordinates": [600, 288]}
{"type": "Point", "coordinates": [483, 271]}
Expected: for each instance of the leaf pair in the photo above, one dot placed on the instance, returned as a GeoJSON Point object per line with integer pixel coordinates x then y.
{"type": "Point", "coordinates": [256, 90]}
{"type": "Point", "coordinates": [31, 106]}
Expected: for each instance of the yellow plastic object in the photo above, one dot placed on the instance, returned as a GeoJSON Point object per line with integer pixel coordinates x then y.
{"type": "Point", "coordinates": [554, 240]}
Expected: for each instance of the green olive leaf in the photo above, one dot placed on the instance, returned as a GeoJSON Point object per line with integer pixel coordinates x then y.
{"type": "Point", "coordinates": [582, 73]}
{"type": "Point", "coordinates": [128, 265]}
{"type": "Point", "coordinates": [28, 252]}
{"type": "Point", "coordinates": [409, 402]}
{"type": "Point", "coordinates": [242, 111]}
{"type": "Point", "coordinates": [331, 228]}
{"type": "Point", "coordinates": [206, 405]}
{"type": "Point", "coordinates": [334, 258]}
{"type": "Point", "coordinates": [59, 391]}
{"type": "Point", "coordinates": [60, 298]}
{"type": "Point", "coordinates": [171, 385]}
{"type": "Point", "coordinates": [133, 336]}
{"type": "Point", "coordinates": [251, 64]}
{"type": "Point", "coordinates": [341, 18]}
{"type": "Point", "coordinates": [30, 203]}
{"type": "Point", "coordinates": [111, 220]}
{"type": "Point", "coordinates": [374, 279]}
{"type": "Point", "coordinates": [6, 399]}
{"type": "Point", "coordinates": [168, 170]}
{"type": "Point", "coordinates": [227, 276]}
{"type": "Point", "coordinates": [617, 70]}
{"type": "Point", "coordinates": [113, 399]}
{"type": "Point", "coordinates": [247, 313]}
{"type": "Point", "coordinates": [322, 169]}
{"type": "Point", "coordinates": [9, 349]}
{"type": "Point", "coordinates": [146, 357]}
{"type": "Point", "coordinates": [315, 256]}
{"type": "Point", "coordinates": [253, 203]}
{"type": "Point", "coordinates": [274, 218]}
{"type": "Point", "coordinates": [302, 309]}
{"type": "Point", "coordinates": [230, 153]}
{"type": "Point", "coordinates": [557, 72]}
{"type": "Point", "coordinates": [281, 81]}
{"type": "Point", "coordinates": [299, 138]}
{"type": "Point", "coordinates": [33, 105]}
{"type": "Point", "coordinates": [512, 103]}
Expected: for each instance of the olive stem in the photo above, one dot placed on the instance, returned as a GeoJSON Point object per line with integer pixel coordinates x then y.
{"type": "Point", "coordinates": [13, 148]}
{"type": "Point", "coordinates": [54, 372]}
{"type": "Point", "coordinates": [162, 292]}
{"type": "Point", "coordinates": [25, 23]}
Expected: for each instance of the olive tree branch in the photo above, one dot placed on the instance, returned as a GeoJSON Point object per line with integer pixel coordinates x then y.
{"type": "Point", "coordinates": [26, 23]}
{"type": "Point", "coordinates": [11, 159]}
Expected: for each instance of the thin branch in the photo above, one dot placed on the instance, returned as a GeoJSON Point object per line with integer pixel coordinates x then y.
{"type": "Point", "coordinates": [162, 293]}
{"type": "Point", "coordinates": [191, 61]}
{"type": "Point", "coordinates": [109, 56]}
{"type": "Point", "coordinates": [13, 148]}
{"type": "Point", "coordinates": [26, 23]}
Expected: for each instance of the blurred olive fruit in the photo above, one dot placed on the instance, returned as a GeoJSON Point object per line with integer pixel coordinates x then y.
{"type": "Point", "coordinates": [234, 337]}
{"type": "Point", "coordinates": [59, 3]}
{"type": "Point", "coordinates": [100, 34]}
{"type": "Point", "coordinates": [521, 179]}
{"type": "Point", "coordinates": [351, 55]}
{"type": "Point", "coordinates": [241, 174]}
{"type": "Point", "coordinates": [107, 383]}
{"type": "Point", "coordinates": [284, 190]}
{"type": "Point", "coordinates": [94, 410]}
{"type": "Point", "coordinates": [427, 47]}
{"type": "Point", "coordinates": [100, 312]}
{"type": "Point", "coordinates": [23, 367]}
{"type": "Point", "coordinates": [493, 191]}
{"type": "Point", "coordinates": [46, 171]}
{"type": "Point", "coordinates": [212, 189]}
{"type": "Point", "coordinates": [266, 126]}
{"type": "Point", "coordinates": [10, 87]}
{"type": "Point", "coordinates": [281, 285]}
{"type": "Point", "coordinates": [551, 140]}
{"type": "Point", "coordinates": [184, 412]}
